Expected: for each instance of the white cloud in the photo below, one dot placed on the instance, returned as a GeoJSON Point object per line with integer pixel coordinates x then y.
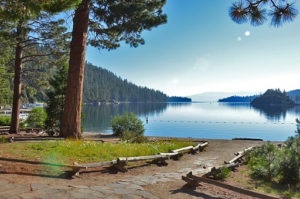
{"type": "Point", "coordinates": [247, 33]}
{"type": "Point", "coordinates": [239, 39]}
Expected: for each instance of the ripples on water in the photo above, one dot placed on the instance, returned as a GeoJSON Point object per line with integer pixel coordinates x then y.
{"type": "Point", "coordinates": [200, 120]}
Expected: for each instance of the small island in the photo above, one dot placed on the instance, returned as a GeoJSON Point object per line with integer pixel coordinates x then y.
{"type": "Point", "coordinates": [273, 97]}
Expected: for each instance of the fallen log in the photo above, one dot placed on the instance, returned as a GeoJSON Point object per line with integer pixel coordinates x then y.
{"type": "Point", "coordinates": [202, 146]}
{"type": "Point", "coordinates": [99, 164]}
{"type": "Point", "coordinates": [77, 167]}
{"type": "Point", "coordinates": [191, 148]}
{"type": "Point", "coordinates": [168, 154]}
{"type": "Point", "coordinates": [17, 139]}
{"type": "Point", "coordinates": [182, 149]}
{"type": "Point", "coordinates": [218, 169]}
{"type": "Point", "coordinates": [194, 181]}
{"type": "Point", "coordinates": [239, 155]}
{"type": "Point", "coordinates": [141, 158]}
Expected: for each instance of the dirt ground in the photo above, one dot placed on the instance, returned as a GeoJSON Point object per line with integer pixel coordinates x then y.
{"type": "Point", "coordinates": [218, 151]}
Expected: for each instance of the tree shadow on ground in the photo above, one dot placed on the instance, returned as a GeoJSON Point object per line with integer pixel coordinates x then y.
{"type": "Point", "coordinates": [27, 163]}
{"type": "Point", "coordinates": [192, 191]}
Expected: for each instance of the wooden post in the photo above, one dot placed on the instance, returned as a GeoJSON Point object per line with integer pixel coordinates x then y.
{"type": "Point", "coordinates": [120, 165]}
{"type": "Point", "coordinates": [160, 161]}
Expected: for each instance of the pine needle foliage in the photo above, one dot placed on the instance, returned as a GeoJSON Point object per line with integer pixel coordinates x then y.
{"type": "Point", "coordinates": [258, 11]}
{"type": "Point", "coordinates": [56, 99]}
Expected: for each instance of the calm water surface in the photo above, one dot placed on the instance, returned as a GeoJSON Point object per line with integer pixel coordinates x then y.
{"type": "Point", "coordinates": [200, 120]}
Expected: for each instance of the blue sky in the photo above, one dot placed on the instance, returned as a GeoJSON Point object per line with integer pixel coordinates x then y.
{"type": "Point", "coordinates": [201, 50]}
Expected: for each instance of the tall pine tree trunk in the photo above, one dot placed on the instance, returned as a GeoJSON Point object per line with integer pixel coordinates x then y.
{"type": "Point", "coordinates": [15, 116]}
{"type": "Point", "coordinates": [71, 123]}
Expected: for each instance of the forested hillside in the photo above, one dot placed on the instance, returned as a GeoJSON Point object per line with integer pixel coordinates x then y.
{"type": "Point", "coordinates": [273, 97]}
{"type": "Point", "coordinates": [102, 85]}
{"type": "Point", "coordinates": [99, 85]}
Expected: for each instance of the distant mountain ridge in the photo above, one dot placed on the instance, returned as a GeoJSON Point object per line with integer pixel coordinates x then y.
{"type": "Point", "coordinates": [238, 99]}
{"type": "Point", "coordinates": [294, 95]}
{"type": "Point", "coordinates": [215, 96]}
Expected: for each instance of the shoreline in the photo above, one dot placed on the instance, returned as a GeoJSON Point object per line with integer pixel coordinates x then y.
{"type": "Point", "coordinates": [105, 135]}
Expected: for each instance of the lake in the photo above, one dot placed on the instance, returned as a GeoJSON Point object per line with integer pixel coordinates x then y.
{"type": "Point", "coordinates": [199, 120]}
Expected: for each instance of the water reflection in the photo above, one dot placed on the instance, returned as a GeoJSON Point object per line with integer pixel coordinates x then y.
{"type": "Point", "coordinates": [200, 120]}
{"type": "Point", "coordinates": [97, 118]}
{"type": "Point", "coordinates": [272, 113]}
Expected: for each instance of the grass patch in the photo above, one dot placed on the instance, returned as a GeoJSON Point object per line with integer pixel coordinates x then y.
{"type": "Point", "coordinates": [243, 177]}
{"type": "Point", "coordinates": [225, 173]}
{"type": "Point", "coordinates": [4, 139]}
{"type": "Point", "coordinates": [67, 152]}
{"type": "Point", "coordinates": [278, 189]}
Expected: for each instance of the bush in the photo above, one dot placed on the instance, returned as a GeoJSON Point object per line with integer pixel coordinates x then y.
{"type": "Point", "coordinates": [263, 162]}
{"type": "Point", "coordinates": [288, 163]}
{"type": "Point", "coordinates": [36, 118]}
{"type": "Point", "coordinates": [225, 173]}
{"type": "Point", "coordinates": [127, 123]}
{"type": "Point", "coordinates": [5, 121]}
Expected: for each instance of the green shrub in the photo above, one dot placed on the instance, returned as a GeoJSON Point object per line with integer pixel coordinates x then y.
{"type": "Point", "coordinates": [287, 195]}
{"type": "Point", "coordinates": [288, 166]}
{"type": "Point", "coordinates": [262, 162]}
{"type": "Point", "coordinates": [5, 120]}
{"type": "Point", "coordinates": [36, 118]}
{"type": "Point", "coordinates": [127, 123]}
{"type": "Point", "coordinates": [225, 173]}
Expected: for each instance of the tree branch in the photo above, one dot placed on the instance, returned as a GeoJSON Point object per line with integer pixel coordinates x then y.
{"type": "Point", "coordinates": [37, 55]}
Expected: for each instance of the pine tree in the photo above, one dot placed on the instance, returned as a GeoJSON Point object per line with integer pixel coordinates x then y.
{"type": "Point", "coordinates": [5, 93]}
{"type": "Point", "coordinates": [56, 99]}
{"type": "Point", "coordinates": [111, 22]}
{"type": "Point", "coordinates": [26, 26]}
{"type": "Point", "coordinates": [4, 86]}
{"type": "Point", "coordinates": [257, 11]}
